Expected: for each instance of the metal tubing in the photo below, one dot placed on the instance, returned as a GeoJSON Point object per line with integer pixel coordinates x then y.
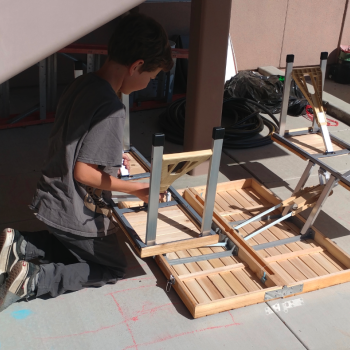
{"type": "Point", "coordinates": [286, 93]}
{"type": "Point", "coordinates": [340, 142]}
{"type": "Point", "coordinates": [144, 161]}
{"type": "Point", "coordinates": [25, 114]}
{"type": "Point", "coordinates": [323, 65]}
{"type": "Point", "coordinates": [300, 185]}
{"type": "Point", "coordinates": [318, 206]}
{"type": "Point", "coordinates": [125, 101]}
{"type": "Point", "coordinates": [153, 202]}
{"type": "Point", "coordinates": [313, 159]}
{"type": "Point", "coordinates": [333, 154]}
{"type": "Point", "coordinates": [212, 181]}
{"type": "Point", "coordinates": [42, 88]}
{"type": "Point", "coordinates": [267, 226]}
{"type": "Point", "coordinates": [254, 218]}
{"type": "Point", "coordinates": [5, 99]}
{"type": "Point", "coordinates": [90, 63]}
{"type": "Point", "coordinates": [200, 257]}
{"type": "Point", "coordinates": [277, 243]}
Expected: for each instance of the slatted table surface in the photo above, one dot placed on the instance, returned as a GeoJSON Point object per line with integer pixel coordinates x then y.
{"type": "Point", "coordinates": [172, 225]}
{"type": "Point", "coordinates": [220, 284]}
{"type": "Point", "coordinates": [294, 261]}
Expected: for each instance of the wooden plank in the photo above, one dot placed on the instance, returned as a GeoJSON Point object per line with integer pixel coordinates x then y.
{"type": "Point", "coordinates": [303, 268]}
{"type": "Point", "coordinates": [216, 279]}
{"type": "Point", "coordinates": [256, 263]}
{"type": "Point", "coordinates": [163, 248]}
{"type": "Point", "coordinates": [233, 302]}
{"type": "Point", "coordinates": [317, 268]}
{"type": "Point", "coordinates": [334, 261]}
{"type": "Point", "coordinates": [210, 272]}
{"type": "Point", "coordinates": [230, 279]}
{"type": "Point", "coordinates": [204, 282]}
{"type": "Point", "coordinates": [294, 254]}
{"type": "Point", "coordinates": [284, 275]}
{"type": "Point", "coordinates": [245, 280]}
{"type": "Point", "coordinates": [296, 274]}
{"type": "Point", "coordinates": [326, 281]}
{"type": "Point", "coordinates": [190, 293]}
{"type": "Point", "coordinates": [325, 263]}
{"type": "Point", "coordinates": [187, 162]}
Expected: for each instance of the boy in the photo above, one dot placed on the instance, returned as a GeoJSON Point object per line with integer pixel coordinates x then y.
{"type": "Point", "coordinates": [85, 153]}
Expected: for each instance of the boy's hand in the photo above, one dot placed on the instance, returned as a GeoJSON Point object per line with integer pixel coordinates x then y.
{"type": "Point", "coordinates": [126, 161]}
{"type": "Point", "coordinates": [143, 192]}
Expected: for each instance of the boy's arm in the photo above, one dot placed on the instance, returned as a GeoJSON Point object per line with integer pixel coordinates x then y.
{"type": "Point", "coordinates": [90, 175]}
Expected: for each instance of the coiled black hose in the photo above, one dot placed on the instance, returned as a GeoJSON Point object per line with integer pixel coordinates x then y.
{"type": "Point", "coordinates": [240, 116]}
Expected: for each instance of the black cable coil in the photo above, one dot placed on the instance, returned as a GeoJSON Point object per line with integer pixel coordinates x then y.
{"type": "Point", "coordinates": [240, 117]}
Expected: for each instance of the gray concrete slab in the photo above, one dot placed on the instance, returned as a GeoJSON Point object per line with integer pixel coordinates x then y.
{"type": "Point", "coordinates": [320, 319]}
{"type": "Point", "coordinates": [136, 313]}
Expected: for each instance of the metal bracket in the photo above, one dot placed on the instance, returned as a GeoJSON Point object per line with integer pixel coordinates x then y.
{"type": "Point", "coordinates": [283, 292]}
{"type": "Point", "coordinates": [232, 250]}
{"type": "Point", "coordinates": [263, 278]}
{"type": "Point", "coordinates": [171, 282]}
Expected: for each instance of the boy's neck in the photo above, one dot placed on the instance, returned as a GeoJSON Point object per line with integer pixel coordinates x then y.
{"type": "Point", "coordinates": [114, 73]}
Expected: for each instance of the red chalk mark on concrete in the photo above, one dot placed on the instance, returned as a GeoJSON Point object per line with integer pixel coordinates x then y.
{"type": "Point", "coordinates": [129, 289]}
{"type": "Point", "coordinates": [77, 334]}
{"type": "Point", "coordinates": [168, 337]}
{"type": "Point", "coordinates": [126, 323]}
{"type": "Point", "coordinates": [144, 311]}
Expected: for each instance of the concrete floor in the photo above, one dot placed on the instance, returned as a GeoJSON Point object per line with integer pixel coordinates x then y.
{"type": "Point", "coordinates": [137, 313]}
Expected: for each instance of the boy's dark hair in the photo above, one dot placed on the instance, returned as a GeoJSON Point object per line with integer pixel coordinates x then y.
{"type": "Point", "coordinates": [140, 37]}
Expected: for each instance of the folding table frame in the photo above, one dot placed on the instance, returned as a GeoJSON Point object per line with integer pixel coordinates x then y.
{"type": "Point", "coordinates": [319, 124]}
{"type": "Point", "coordinates": [148, 247]}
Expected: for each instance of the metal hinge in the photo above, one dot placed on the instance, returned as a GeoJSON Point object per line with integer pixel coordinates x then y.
{"type": "Point", "coordinates": [283, 292]}
{"type": "Point", "coordinates": [171, 282]}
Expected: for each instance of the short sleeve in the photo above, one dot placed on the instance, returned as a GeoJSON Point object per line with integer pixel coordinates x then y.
{"type": "Point", "coordinates": [103, 144]}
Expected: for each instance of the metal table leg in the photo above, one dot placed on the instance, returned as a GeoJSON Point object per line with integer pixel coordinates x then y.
{"type": "Point", "coordinates": [318, 206]}
{"type": "Point", "coordinates": [301, 184]}
{"type": "Point", "coordinates": [286, 91]}
{"type": "Point", "coordinates": [218, 138]}
{"type": "Point", "coordinates": [153, 202]}
{"type": "Point", "coordinates": [125, 101]}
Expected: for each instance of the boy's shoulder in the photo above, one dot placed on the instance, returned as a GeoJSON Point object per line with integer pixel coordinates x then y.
{"type": "Point", "coordinates": [89, 91]}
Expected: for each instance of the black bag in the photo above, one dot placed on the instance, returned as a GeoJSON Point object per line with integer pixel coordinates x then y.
{"type": "Point", "coordinates": [266, 90]}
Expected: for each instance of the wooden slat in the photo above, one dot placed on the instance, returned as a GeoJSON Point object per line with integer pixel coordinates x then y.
{"type": "Point", "coordinates": [317, 268]}
{"type": "Point", "coordinates": [213, 271]}
{"type": "Point", "coordinates": [325, 263]}
{"type": "Point", "coordinates": [303, 268]}
{"type": "Point", "coordinates": [204, 282]}
{"type": "Point", "coordinates": [193, 286]}
{"type": "Point", "coordinates": [286, 277]}
{"type": "Point", "coordinates": [294, 254]}
{"type": "Point", "coordinates": [216, 279]}
{"type": "Point", "coordinates": [334, 261]}
{"type": "Point", "coordinates": [230, 279]}
{"type": "Point", "coordinates": [245, 280]}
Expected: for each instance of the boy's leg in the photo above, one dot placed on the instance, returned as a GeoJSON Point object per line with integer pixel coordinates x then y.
{"type": "Point", "coordinates": [16, 245]}
{"type": "Point", "coordinates": [101, 261]}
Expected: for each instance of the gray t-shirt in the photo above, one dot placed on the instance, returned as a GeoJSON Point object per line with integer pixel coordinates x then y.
{"type": "Point", "coordinates": [88, 127]}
